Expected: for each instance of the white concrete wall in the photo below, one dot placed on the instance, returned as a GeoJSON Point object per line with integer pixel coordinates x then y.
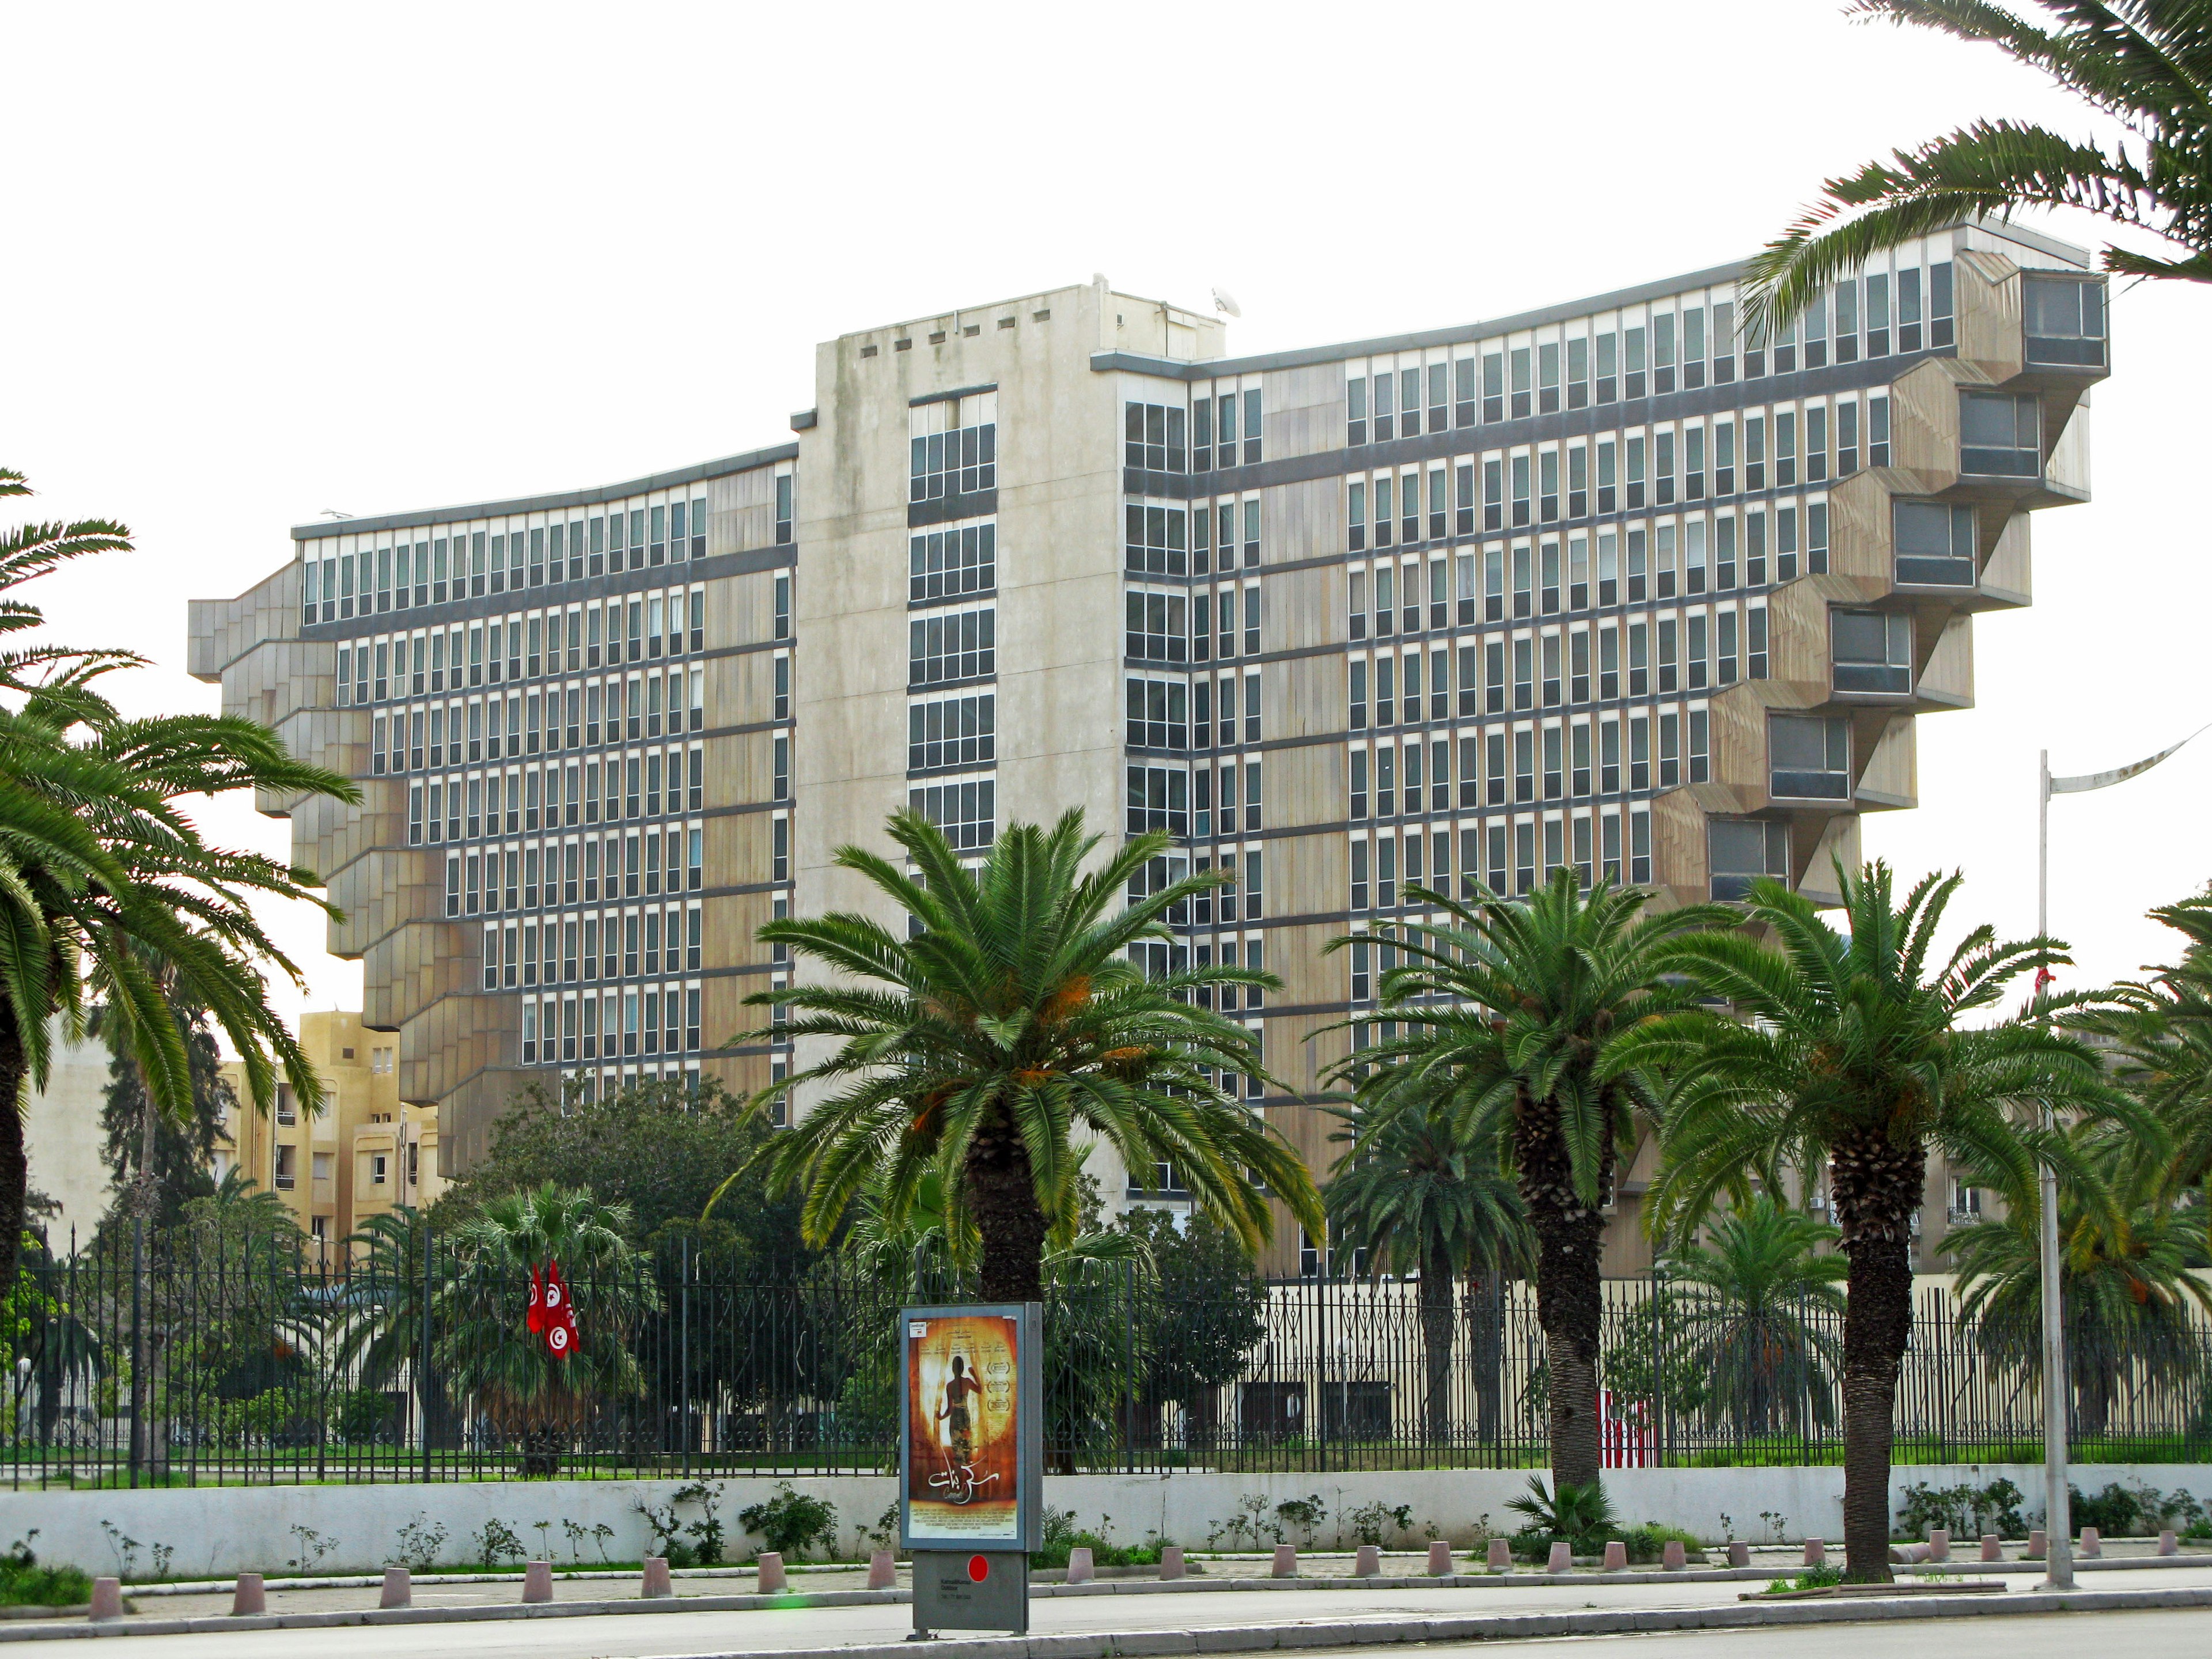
{"type": "Point", "coordinates": [61, 1135]}
{"type": "Point", "coordinates": [220, 1530]}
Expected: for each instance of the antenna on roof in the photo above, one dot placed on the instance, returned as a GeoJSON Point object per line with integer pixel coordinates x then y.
{"type": "Point", "coordinates": [1224, 302]}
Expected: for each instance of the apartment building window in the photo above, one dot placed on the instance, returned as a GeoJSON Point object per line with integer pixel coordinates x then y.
{"type": "Point", "coordinates": [287, 1171]}
{"type": "Point", "coordinates": [1156, 626]}
{"type": "Point", "coordinates": [1153, 437]}
{"type": "Point", "coordinates": [1158, 714]}
{"type": "Point", "coordinates": [965, 812]}
{"type": "Point", "coordinates": [1936, 543]}
{"type": "Point", "coordinates": [2064, 320]}
{"type": "Point", "coordinates": [1872, 650]}
{"type": "Point", "coordinates": [2000, 435]}
{"type": "Point", "coordinates": [952, 731]}
{"type": "Point", "coordinates": [959, 645]}
{"type": "Point", "coordinates": [1252, 619]}
{"type": "Point", "coordinates": [782, 613]}
{"type": "Point", "coordinates": [1155, 540]}
{"type": "Point", "coordinates": [1159, 798]}
{"type": "Point", "coordinates": [953, 447]}
{"type": "Point", "coordinates": [945, 564]}
{"type": "Point", "coordinates": [1742, 850]}
{"type": "Point", "coordinates": [1809, 757]}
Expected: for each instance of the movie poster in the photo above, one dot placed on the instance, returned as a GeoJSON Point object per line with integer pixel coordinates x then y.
{"type": "Point", "coordinates": [963, 1414]}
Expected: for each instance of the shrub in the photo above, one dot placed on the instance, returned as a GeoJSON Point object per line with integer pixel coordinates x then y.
{"type": "Point", "coordinates": [790, 1521]}
{"type": "Point", "coordinates": [1648, 1543]}
{"type": "Point", "coordinates": [496, 1543]}
{"type": "Point", "coordinates": [1062, 1535]}
{"type": "Point", "coordinates": [1966, 1508]}
{"type": "Point", "coordinates": [1581, 1516]}
{"type": "Point", "coordinates": [1370, 1520]}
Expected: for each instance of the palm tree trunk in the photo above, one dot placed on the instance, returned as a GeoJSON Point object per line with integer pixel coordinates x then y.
{"type": "Point", "coordinates": [1002, 1197]}
{"type": "Point", "coordinates": [1877, 1185]}
{"type": "Point", "coordinates": [1437, 1343]}
{"type": "Point", "coordinates": [1570, 1300]}
{"type": "Point", "coordinates": [15, 1163]}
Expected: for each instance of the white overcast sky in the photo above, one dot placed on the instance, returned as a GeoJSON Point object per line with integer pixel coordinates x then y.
{"type": "Point", "coordinates": [269, 260]}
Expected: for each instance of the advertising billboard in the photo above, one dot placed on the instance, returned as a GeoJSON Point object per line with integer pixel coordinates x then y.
{"type": "Point", "coordinates": [971, 1427]}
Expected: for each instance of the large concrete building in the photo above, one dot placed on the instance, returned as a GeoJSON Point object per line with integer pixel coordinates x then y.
{"type": "Point", "coordinates": [1603, 584]}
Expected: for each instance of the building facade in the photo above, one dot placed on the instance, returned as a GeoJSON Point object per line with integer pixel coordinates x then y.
{"type": "Point", "coordinates": [1603, 585]}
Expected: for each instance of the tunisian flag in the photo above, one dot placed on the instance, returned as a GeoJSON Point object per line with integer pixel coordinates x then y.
{"type": "Point", "coordinates": [535, 1322]}
{"type": "Point", "coordinates": [559, 1315]}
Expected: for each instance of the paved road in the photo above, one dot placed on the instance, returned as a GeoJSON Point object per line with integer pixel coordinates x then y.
{"type": "Point", "coordinates": [651, 1637]}
{"type": "Point", "coordinates": [2156, 1634]}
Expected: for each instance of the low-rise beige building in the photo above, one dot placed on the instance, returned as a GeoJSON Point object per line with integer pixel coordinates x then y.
{"type": "Point", "coordinates": [366, 1153]}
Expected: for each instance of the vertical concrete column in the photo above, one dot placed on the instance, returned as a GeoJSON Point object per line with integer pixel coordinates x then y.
{"type": "Point", "coordinates": [655, 1582]}
{"type": "Point", "coordinates": [883, 1571]}
{"type": "Point", "coordinates": [398, 1588]}
{"type": "Point", "coordinates": [771, 1573]}
{"type": "Point", "coordinates": [537, 1581]}
{"type": "Point", "coordinates": [248, 1599]}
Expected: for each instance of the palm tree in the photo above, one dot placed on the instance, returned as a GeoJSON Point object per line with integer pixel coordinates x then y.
{"type": "Point", "coordinates": [2160, 1033]}
{"type": "Point", "coordinates": [109, 893]}
{"type": "Point", "coordinates": [1853, 1056]}
{"type": "Point", "coordinates": [484, 1347]}
{"type": "Point", "coordinates": [1422, 1201]}
{"type": "Point", "coordinates": [1517, 1011]}
{"type": "Point", "coordinates": [2146, 63]}
{"type": "Point", "coordinates": [978, 1040]}
{"type": "Point", "coordinates": [2128, 1263]}
{"type": "Point", "coordinates": [1754, 1325]}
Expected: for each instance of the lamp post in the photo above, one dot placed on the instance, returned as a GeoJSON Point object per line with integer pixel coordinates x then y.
{"type": "Point", "coordinates": [2058, 1560]}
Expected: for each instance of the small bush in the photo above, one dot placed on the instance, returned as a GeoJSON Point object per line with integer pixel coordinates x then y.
{"type": "Point", "coordinates": [1062, 1535]}
{"type": "Point", "coordinates": [1648, 1542]}
{"type": "Point", "coordinates": [790, 1521]}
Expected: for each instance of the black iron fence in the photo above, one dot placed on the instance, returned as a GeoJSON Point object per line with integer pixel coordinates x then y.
{"type": "Point", "coordinates": [222, 1364]}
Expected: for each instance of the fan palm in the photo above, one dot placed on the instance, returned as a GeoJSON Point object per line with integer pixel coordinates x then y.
{"type": "Point", "coordinates": [2146, 63]}
{"type": "Point", "coordinates": [1754, 1323]}
{"type": "Point", "coordinates": [1854, 1056]}
{"type": "Point", "coordinates": [484, 1348]}
{"type": "Point", "coordinates": [2127, 1264]}
{"type": "Point", "coordinates": [1421, 1199]}
{"type": "Point", "coordinates": [109, 893]}
{"type": "Point", "coordinates": [1517, 1010]}
{"type": "Point", "coordinates": [1006, 1016]}
{"type": "Point", "coordinates": [2160, 1033]}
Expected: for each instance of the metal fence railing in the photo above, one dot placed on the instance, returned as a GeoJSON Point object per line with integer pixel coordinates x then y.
{"type": "Point", "coordinates": [168, 1365]}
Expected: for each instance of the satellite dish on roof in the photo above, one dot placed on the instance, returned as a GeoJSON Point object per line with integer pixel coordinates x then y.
{"type": "Point", "coordinates": [1224, 302]}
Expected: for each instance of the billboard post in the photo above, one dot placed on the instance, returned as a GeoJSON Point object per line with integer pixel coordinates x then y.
{"type": "Point", "coordinates": [971, 1461]}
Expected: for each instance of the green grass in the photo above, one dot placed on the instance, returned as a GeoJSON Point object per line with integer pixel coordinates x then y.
{"type": "Point", "coordinates": [27, 1584]}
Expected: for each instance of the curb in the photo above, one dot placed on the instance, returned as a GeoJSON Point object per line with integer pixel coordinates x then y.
{"type": "Point", "coordinates": [1148, 1644]}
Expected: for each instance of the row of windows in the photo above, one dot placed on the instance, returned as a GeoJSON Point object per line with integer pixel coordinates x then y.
{"type": "Point", "coordinates": [1543, 576]}
{"type": "Point", "coordinates": [1690, 651]}
{"type": "Point", "coordinates": [1237, 896]}
{"type": "Point", "coordinates": [957, 645]}
{"type": "Point", "coordinates": [574, 717]}
{"type": "Point", "coordinates": [952, 732]}
{"type": "Point", "coordinates": [1556, 760]}
{"type": "Point", "coordinates": [1509, 856]}
{"type": "Point", "coordinates": [1639, 354]}
{"type": "Point", "coordinates": [949, 564]}
{"type": "Point", "coordinates": [1176, 626]}
{"type": "Point", "coordinates": [522, 647]}
{"type": "Point", "coordinates": [575, 872]}
{"type": "Point", "coordinates": [1177, 541]}
{"type": "Point", "coordinates": [965, 809]}
{"type": "Point", "coordinates": [431, 570]}
{"type": "Point", "coordinates": [611, 1024]}
{"type": "Point", "coordinates": [1612, 473]}
{"type": "Point", "coordinates": [953, 446]}
{"type": "Point", "coordinates": [1154, 435]}
{"type": "Point", "coordinates": [1177, 714]}
{"type": "Point", "coordinates": [454, 808]}
{"type": "Point", "coordinates": [620, 945]}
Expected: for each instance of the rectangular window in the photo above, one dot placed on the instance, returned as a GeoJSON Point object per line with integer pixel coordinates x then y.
{"type": "Point", "coordinates": [954, 733]}
{"type": "Point", "coordinates": [952, 563]}
{"type": "Point", "coordinates": [1936, 543]}
{"type": "Point", "coordinates": [958, 645]}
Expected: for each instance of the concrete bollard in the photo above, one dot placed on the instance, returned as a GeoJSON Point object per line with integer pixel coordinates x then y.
{"type": "Point", "coordinates": [883, 1569]}
{"type": "Point", "coordinates": [1440, 1561]}
{"type": "Point", "coordinates": [1080, 1569]}
{"type": "Point", "coordinates": [1368, 1563]}
{"type": "Point", "coordinates": [106, 1600]}
{"type": "Point", "coordinates": [537, 1581]}
{"type": "Point", "coordinates": [1616, 1555]}
{"type": "Point", "coordinates": [655, 1584]}
{"type": "Point", "coordinates": [1992, 1547]}
{"type": "Point", "coordinates": [1907, 1554]}
{"type": "Point", "coordinates": [249, 1599]}
{"type": "Point", "coordinates": [1286, 1562]}
{"type": "Point", "coordinates": [1816, 1552]}
{"type": "Point", "coordinates": [398, 1588]}
{"type": "Point", "coordinates": [1500, 1557]}
{"type": "Point", "coordinates": [1563, 1557]}
{"type": "Point", "coordinates": [2168, 1544]}
{"type": "Point", "coordinates": [2092, 1544]}
{"type": "Point", "coordinates": [1171, 1564]}
{"type": "Point", "coordinates": [1672, 1558]}
{"type": "Point", "coordinates": [2038, 1545]}
{"type": "Point", "coordinates": [1739, 1552]}
{"type": "Point", "coordinates": [771, 1573]}
{"type": "Point", "coordinates": [1939, 1543]}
